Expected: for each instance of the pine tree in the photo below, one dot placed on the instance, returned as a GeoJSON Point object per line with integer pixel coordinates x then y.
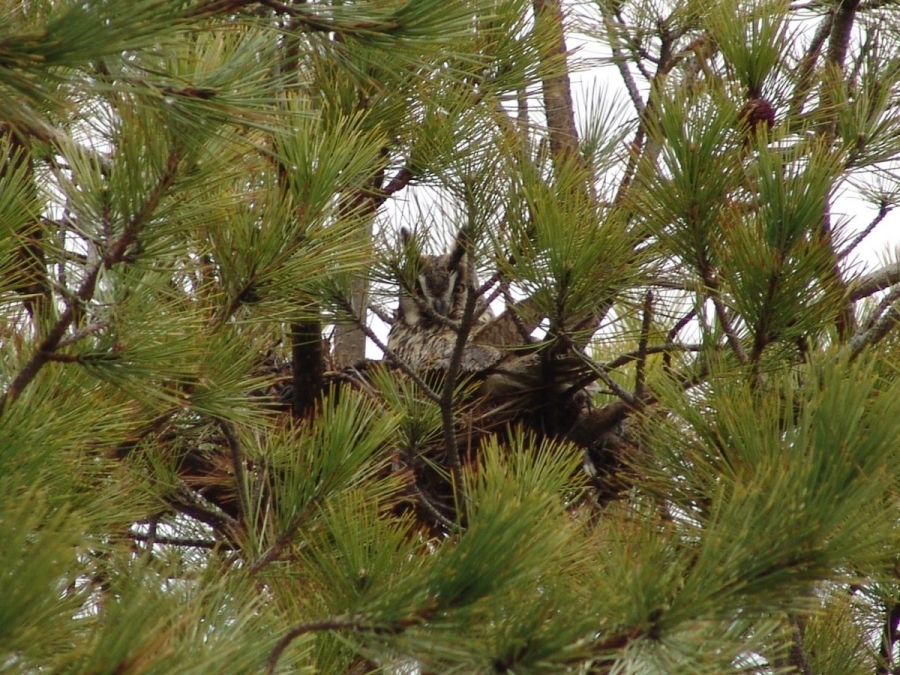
{"type": "Point", "coordinates": [200, 206]}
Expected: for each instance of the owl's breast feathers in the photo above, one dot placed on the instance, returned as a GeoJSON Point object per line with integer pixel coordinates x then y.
{"type": "Point", "coordinates": [496, 351]}
{"type": "Point", "coordinates": [429, 346]}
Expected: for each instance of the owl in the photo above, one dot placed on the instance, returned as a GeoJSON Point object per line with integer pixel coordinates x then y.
{"type": "Point", "coordinates": [516, 378]}
{"type": "Point", "coordinates": [424, 332]}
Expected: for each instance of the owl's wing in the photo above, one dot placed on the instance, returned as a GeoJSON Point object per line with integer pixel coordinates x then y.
{"type": "Point", "coordinates": [503, 331]}
{"type": "Point", "coordinates": [532, 374]}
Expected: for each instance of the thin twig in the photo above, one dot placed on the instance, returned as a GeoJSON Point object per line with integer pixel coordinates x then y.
{"type": "Point", "coordinates": [730, 334]}
{"type": "Point", "coordinates": [600, 371]}
{"type": "Point", "coordinates": [628, 357]}
{"type": "Point", "coordinates": [666, 348]}
{"type": "Point", "coordinates": [398, 182]}
{"type": "Point", "coordinates": [447, 395]}
{"type": "Point", "coordinates": [151, 533]}
{"type": "Point", "coordinates": [333, 623]}
{"type": "Point", "coordinates": [806, 67]}
{"type": "Point", "coordinates": [283, 541]}
{"type": "Point", "coordinates": [237, 459]}
{"type": "Point", "coordinates": [679, 326]}
{"type": "Point", "coordinates": [882, 307]}
{"type": "Point", "coordinates": [634, 46]}
{"type": "Point", "coordinates": [516, 319]}
{"type": "Point", "coordinates": [81, 333]}
{"type": "Point", "coordinates": [381, 314]}
{"type": "Point", "coordinates": [179, 541]}
{"type": "Point", "coordinates": [857, 240]}
{"type": "Point", "coordinates": [401, 364]}
{"type": "Point", "coordinates": [673, 333]}
{"type": "Point", "coordinates": [432, 509]}
{"type": "Point", "coordinates": [622, 64]}
{"type": "Point", "coordinates": [487, 285]}
{"type": "Point", "coordinates": [641, 365]}
{"type": "Point", "coordinates": [191, 504]}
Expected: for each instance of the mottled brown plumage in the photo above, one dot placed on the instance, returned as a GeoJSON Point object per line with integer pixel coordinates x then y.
{"type": "Point", "coordinates": [544, 385]}
{"type": "Point", "coordinates": [424, 333]}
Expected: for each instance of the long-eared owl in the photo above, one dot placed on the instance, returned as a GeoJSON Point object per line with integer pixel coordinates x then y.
{"type": "Point", "coordinates": [432, 300]}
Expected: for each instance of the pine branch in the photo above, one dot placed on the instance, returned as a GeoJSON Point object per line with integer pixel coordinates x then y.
{"type": "Point", "coordinates": [284, 539]}
{"type": "Point", "coordinates": [626, 396]}
{"type": "Point", "coordinates": [730, 334]}
{"type": "Point", "coordinates": [806, 67]}
{"type": "Point", "coordinates": [114, 255]}
{"type": "Point", "coordinates": [433, 510]}
{"type": "Point", "coordinates": [622, 63]}
{"type": "Point", "coordinates": [841, 30]}
{"type": "Point", "coordinates": [666, 348]}
{"type": "Point", "coordinates": [557, 89]}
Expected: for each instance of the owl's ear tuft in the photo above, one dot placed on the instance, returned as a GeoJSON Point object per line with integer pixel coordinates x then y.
{"type": "Point", "coordinates": [411, 254]}
{"type": "Point", "coordinates": [409, 241]}
{"type": "Point", "coordinates": [460, 247]}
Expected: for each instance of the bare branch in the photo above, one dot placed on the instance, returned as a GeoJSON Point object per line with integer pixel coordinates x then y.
{"type": "Point", "coordinates": [600, 371]}
{"type": "Point", "coordinates": [622, 64]}
{"type": "Point", "coordinates": [191, 504]}
{"type": "Point", "coordinates": [557, 89]}
{"type": "Point", "coordinates": [877, 329]}
{"type": "Point", "coordinates": [857, 240]}
{"type": "Point", "coordinates": [841, 29]}
{"type": "Point", "coordinates": [879, 280]}
{"type": "Point", "coordinates": [730, 334]}
{"type": "Point", "coordinates": [432, 509]}
{"type": "Point", "coordinates": [179, 541]}
{"type": "Point", "coordinates": [667, 348]}
{"type": "Point", "coordinates": [807, 66]}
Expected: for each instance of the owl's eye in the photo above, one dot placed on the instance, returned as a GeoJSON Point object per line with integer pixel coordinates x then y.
{"type": "Point", "coordinates": [459, 288]}
{"type": "Point", "coordinates": [419, 292]}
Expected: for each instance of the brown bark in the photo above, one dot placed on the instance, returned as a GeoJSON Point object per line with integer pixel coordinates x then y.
{"type": "Point", "coordinates": [556, 86]}
{"type": "Point", "coordinates": [839, 40]}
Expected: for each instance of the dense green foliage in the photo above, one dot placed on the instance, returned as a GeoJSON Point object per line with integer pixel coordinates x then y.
{"type": "Point", "coordinates": [200, 204]}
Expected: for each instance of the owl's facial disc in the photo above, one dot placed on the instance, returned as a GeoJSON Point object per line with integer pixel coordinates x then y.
{"type": "Point", "coordinates": [444, 303]}
{"type": "Point", "coordinates": [436, 291]}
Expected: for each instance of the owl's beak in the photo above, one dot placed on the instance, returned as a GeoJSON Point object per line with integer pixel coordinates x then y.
{"type": "Point", "coordinates": [440, 306]}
